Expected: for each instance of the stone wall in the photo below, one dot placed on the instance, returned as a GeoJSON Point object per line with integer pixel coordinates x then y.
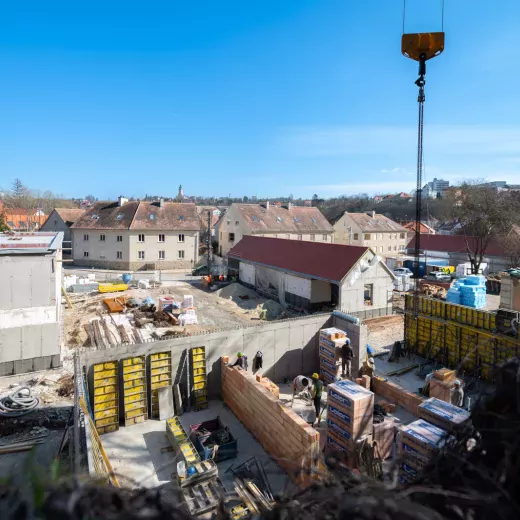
{"type": "Point", "coordinates": [292, 443]}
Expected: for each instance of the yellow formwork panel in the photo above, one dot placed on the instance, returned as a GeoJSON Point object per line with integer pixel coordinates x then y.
{"type": "Point", "coordinates": [134, 390]}
{"type": "Point", "coordinates": [106, 396]}
{"type": "Point", "coordinates": [160, 377]}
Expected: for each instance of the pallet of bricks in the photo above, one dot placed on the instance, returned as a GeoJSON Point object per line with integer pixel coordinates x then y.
{"type": "Point", "coordinates": [135, 402]}
{"type": "Point", "coordinates": [418, 444]}
{"type": "Point", "coordinates": [350, 411]}
{"type": "Point", "coordinates": [106, 397]}
{"type": "Point", "coordinates": [160, 377]}
{"type": "Point", "coordinates": [199, 378]}
{"type": "Point", "coordinates": [330, 343]}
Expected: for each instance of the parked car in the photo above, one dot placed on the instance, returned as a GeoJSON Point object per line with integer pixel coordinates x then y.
{"type": "Point", "coordinates": [437, 276]}
{"type": "Point", "coordinates": [402, 270]}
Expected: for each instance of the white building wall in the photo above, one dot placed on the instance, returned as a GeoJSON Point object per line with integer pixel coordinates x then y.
{"type": "Point", "coordinates": [247, 273]}
{"type": "Point", "coordinates": [55, 223]}
{"type": "Point", "coordinates": [298, 286]}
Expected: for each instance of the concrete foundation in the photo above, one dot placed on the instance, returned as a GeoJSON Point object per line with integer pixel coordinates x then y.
{"type": "Point", "coordinates": [21, 366]}
{"type": "Point", "coordinates": [133, 266]}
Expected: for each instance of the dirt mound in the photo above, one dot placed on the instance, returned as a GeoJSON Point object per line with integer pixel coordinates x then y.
{"type": "Point", "coordinates": [274, 309]}
{"type": "Point", "coordinates": [238, 293]}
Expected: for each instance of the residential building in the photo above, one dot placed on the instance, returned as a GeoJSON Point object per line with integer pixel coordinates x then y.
{"type": "Point", "coordinates": [289, 222]}
{"type": "Point", "coordinates": [137, 235]}
{"type": "Point", "coordinates": [373, 230]}
{"type": "Point", "coordinates": [30, 302]}
{"type": "Point", "coordinates": [425, 228]}
{"type": "Point", "coordinates": [435, 189]}
{"type": "Point", "coordinates": [60, 220]}
{"type": "Point", "coordinates": [453, 248]}
{"type": "Point", "coordinates": [313, 275]}
{"type": "Point", "coordinates": [21, 219]}
{"type": "Point", "coordinates": [307, 203]}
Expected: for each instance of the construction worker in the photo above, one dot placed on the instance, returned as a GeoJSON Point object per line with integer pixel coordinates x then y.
{"type": "Point", "coordinates": [316, 396]}
{"type": "Point", "coordinates": [368, 368]}
{"type": "Point", "coordinates": [346, 358]}
{"type": "Point", "coordinates": [457, 395]}
{"type": "Point", "coordinates": [241, 361]}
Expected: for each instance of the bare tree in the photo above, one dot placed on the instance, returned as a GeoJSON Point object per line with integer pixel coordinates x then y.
{"type": "Point", "coordinates": [485, 214]}
{"type": "Point", "coordinates": [511, 245]}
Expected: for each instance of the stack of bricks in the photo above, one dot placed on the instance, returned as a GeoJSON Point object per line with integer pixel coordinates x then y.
{"type": "Point", "coordinates": [444, 415]}
{"type": "Point", "coordinates": [442, 384]}
{"type": "Point", "coordinates": [269, 385]}
{"type": "Point", "coordinates": [331, 341]}
{"type": "Point", "coordinates": [418, 444]}
{"type": "Point", "coordinates": [350, 411]}
{"type": "Point", "coordinates": [410, 401]}
{"type": "Point", "coordinates": [284, 435]}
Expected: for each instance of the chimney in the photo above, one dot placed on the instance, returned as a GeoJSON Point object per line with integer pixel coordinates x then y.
{"type": "Point", "coordinates": [266, 204]}
{"type": "Point", "coordinates": [371, 214]}
{"type": "Point", "coordinates": [161, 202]}
{"type": "Point", "coordinates": [290, 205]}
{"type": "Point", "coordinates": [121, 201]}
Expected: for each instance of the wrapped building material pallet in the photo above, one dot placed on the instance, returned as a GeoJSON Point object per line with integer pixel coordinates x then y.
{"type": "Point", "coordinates": [442, 414]}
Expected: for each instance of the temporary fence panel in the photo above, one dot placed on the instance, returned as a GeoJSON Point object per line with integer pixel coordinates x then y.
{"type": "Point", "coordinates": [458, 336]}
{"type": "Point", "coordinates": [134, 390]}
{"type": "Point", "coordinates": [160, 377]}
{"type": "Point", "coordinates": [106, 397]}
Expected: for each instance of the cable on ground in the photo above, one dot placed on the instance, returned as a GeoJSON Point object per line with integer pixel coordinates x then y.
{"type": "Point", "coordinates": [18, 403]}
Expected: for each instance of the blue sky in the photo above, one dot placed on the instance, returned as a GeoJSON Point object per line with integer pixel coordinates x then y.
{"type": "Point", "coordinates": [257, 97]}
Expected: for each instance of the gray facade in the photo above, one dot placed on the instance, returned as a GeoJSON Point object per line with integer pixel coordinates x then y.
{"type": "Point", "coordinates": [30, 306]}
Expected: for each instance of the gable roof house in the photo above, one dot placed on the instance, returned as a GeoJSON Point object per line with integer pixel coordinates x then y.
{"type": "Point", "coordinates": [21, 219]}
{"type": "Point", "coordinates": [373, 230]}
{"type": "Point", "coordinates": [137, 235]}
{"type": "Point", "coordinates": [314, 275]}
{"type": "Point", "coordinates": [60, 219]}
{"type": "Point", "coordinates": [289, 222]}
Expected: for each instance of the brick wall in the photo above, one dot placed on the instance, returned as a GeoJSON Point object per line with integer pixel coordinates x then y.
{"type": "Point", "coordinates": [396, 394]}
{"type": "Point", "coordinates": [284, 435]}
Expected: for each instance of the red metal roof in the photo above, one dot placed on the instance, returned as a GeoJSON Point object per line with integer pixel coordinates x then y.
{"type": "Point", "coordinates": [314, 259]}
{"type": "Point", "coordinates": [454, 244]}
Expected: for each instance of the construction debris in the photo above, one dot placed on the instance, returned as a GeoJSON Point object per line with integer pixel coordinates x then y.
{"type": "Point", "coordinates": [66, 388]}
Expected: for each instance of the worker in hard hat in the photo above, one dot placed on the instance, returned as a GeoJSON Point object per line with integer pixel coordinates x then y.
{"type": "Point", "coordinates": [368, 368]}
{"type": "Point", "coordinates": [457, 395]}
{"type": "Point", "coordinates": [316, 395]}
{"type": "Point", "coordinates": [241, 361]}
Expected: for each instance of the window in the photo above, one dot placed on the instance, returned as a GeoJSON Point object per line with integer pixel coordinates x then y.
{"type": "Point", "coordinates": [324, 238]}
{"type": "Point", "coordinates": [102, 238]}
{"type": "Point", "coordinates": [119, 217]}
{"type": "Point", "coordinates": [119, 255]}
{"type": "Point", "coordinates": [369, 294]}
{"type": "Point", "coordinates": [279, 219]}
{"type": "Point", "coordinates": [140, 255]}
{"type": "Point", "coordinates": [85, 238]}
{"type": "Point", "coordinates": [296, 219]}
{"type": "Point", "coordinates": [162, 255]}
{"type": "Point", "coordinates": [231, 237]}
{"type": "Point", "coordinates": [119, 238]}
{"type": "Point", "coordinates": [389, 248]}
{"type": "Point", "coordinates": [401, 248]}
{"type": "Point", "coordinates": [313, 238]}
{"type": "Point", "coordinates": [85, 254]}
{"type": "Point", "coordinates": [367, 236]}
{"type": "Point", "coordinates": [228, 222]}
{"type": "Point", "coordinates": [381, 249]}
{"type": "Point", "coordinates": [299, 237]}
{"type": "Point", "coordinates": [140, 238]}
{"type": "Point", "coordinates": [395, 248]}
{"type": "Point", "coordinates": [356, 236]}
{"type": "Point", "coordinates": [237, 222]}
{"type": "Point", "coordinates": [161, 238]}
{"type": "Point", "coordinates": [152, 216]}
{"type": "Point", "coordinates": [255, 218]}
{"type": "Point", "coordinates": [181, 237]}
{"type": "Point", "coordinates": [402, 235]}
{"type": "Point", "coordinates": [314, 220]}
{"type": "Point", "coordinates": [181, 253]}
{"type": "Point", "coordinates": [55, 222]}
{"type": "Point", "coordinates": [181, 217]}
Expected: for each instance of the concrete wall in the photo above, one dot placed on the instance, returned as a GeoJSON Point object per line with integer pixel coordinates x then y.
{"type": "Point", "coordinates": [247, 273]}
{"type": "Point", "coordinates": [30, 312]}
{"type": "Point", "coordinates": [104, 253]}
{"type": "Point", "coordinates": [320, 291]}
{"type": "Point", "coordinates": [352, 297]}
{"type": "Point", "coordinates": [298, 286]}
{"type": "Point", "coordinates": [289, 348]}
{"type": "Point", "coordinates": [358, 335]}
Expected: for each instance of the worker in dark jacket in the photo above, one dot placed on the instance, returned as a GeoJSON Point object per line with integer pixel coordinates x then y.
{"type": "Point", "coordinates": [241, 361]}
{"type": "Point", "coordinates": [346, 358]}
{"type": "Point", "coordinates": [316, 395]}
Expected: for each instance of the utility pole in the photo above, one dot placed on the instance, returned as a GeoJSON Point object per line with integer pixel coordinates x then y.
{"type": "Point", "coordinates": [209, 243]}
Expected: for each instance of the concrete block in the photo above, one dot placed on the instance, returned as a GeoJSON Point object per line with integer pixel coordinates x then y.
{"type": "Point", "coordinates": [23, 366]}
{"type": "Point", "coordinates": [55, 361]}
{"type": "Point", "coordinates": [7, 368]}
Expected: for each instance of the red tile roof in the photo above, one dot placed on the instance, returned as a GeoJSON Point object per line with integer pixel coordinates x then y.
{"type": "Point", "coordinates": [454, 244]}
{"type": "Point", "coordinates": [313, 259]}
{"type": "Point", "coordinates": [424, 228]}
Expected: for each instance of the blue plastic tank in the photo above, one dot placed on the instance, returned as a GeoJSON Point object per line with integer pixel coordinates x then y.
{"type": "Point", "coordinates": [127, 277]}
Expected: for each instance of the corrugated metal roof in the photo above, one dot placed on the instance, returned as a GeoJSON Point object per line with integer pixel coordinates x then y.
{"type": "Point", "coordinates": [454, 244]}
{"type": "Point", "coordinates": [330, 262]}
{"type": "Point", "coordinates": [30, 243]}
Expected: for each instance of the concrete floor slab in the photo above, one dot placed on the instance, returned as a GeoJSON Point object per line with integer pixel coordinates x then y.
{"type": "Point", "coordinates": [135, 452]}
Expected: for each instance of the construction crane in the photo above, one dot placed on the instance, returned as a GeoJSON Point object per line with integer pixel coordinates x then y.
{"type": "Point", "coordinates": [420, 47]}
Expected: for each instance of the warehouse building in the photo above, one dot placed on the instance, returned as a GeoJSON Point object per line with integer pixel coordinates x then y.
{"type": "Point", "coordinates": [313, 275]}
{"type": "Point", "coordinates": [30, 302]}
